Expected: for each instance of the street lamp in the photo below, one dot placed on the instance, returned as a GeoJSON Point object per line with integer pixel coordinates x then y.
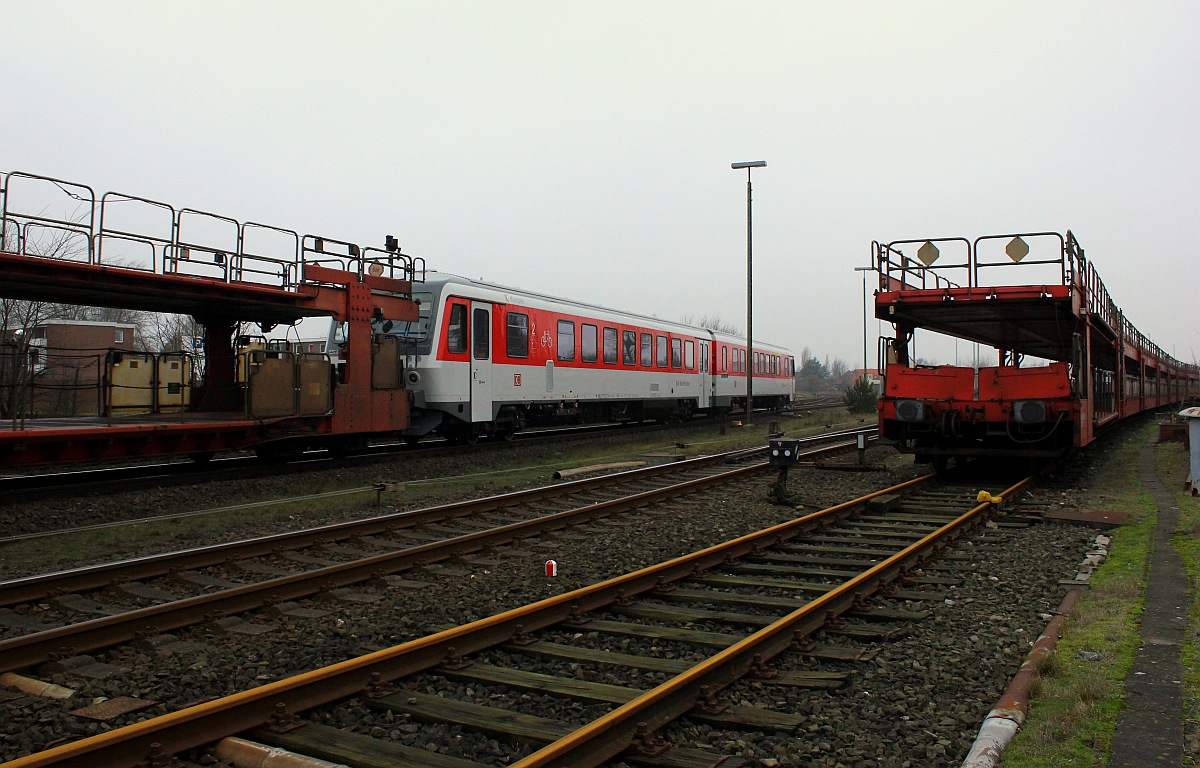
{"type": "Point", "coordinates": [864, 270]}
{"type": "Point", "coordinates": [749, 288]}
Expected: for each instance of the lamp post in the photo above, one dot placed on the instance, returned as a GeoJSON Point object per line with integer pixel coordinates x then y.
{"type": "Point", "coordinates": [749, 288]}
{"type": "Point", "coordinates": [864, 270]}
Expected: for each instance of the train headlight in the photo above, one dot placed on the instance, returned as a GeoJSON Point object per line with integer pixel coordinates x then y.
{"type": "Point", "coordinates": [414, 378]}
{"type": "Point", "coordinates": [910, 410]}
{"type": "Point", "coordinates": [1029, 412]}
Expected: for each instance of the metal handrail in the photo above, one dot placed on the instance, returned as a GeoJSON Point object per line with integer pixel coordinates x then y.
{"type": "Point", "coordinates": [158, 245]}
{"type": "Point", "coordinates": [234, 261]}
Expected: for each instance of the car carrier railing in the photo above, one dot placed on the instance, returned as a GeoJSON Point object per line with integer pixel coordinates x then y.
{"type": "Point", "coordinates": [950, 263]}
{"type": "Point", "coordinates": [45, 217]}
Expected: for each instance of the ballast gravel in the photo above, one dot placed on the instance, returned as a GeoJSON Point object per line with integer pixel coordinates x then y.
{"type": "Point", "coordinates": [917, 701]}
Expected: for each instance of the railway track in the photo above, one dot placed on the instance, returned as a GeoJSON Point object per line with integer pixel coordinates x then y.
{"type": "Point", "coordinates": [733, 608]}
{"type": "Point", "coordinates": [118, 601]}
{"type": "Point", "coordinates": [15, 489]}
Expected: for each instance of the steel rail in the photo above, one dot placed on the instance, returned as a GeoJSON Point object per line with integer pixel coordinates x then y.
{"type": "Point", "coordinates": [609, 735]}
{"type": "Point", "coordinates": [72, 639]}
{"type": "Point", "coordinates": [32, 588]}
{"type": "Point", "coordinates": [209, 721]}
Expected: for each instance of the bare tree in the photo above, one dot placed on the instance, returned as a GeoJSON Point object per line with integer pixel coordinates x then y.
{"type": "Point", "coordinates": [171, 333]}
{"type": "Point", "coordinates": [713, 323]}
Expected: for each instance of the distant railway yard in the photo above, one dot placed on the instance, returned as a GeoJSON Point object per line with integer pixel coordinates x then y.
{"type": "Point", "coordinates": [647, 607]}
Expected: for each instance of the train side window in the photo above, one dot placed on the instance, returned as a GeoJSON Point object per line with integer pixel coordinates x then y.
{"type": "Point", "coordinates": [647, 350]}
{"type": "Point", "coordinates": [689, 355]}
{"type": "Point", "coordinates": [566, 340]}
{"type": "Point", "coordinates": [676, 353]}
{"type": "Point", "coordinates": [456, 331]}
{"type": "Point", "coordinates": [587, 341]}
{"type": "Point", "coordinates": [629, 347]}
{"type": "Point", "coordinates": [517, 337]}
{"type": "Point", "coordinates": [610, 346]}
{"type": "Point", "coordinates": [724, 359]}
{"type": "Point", "coordinates": [661, 350]}
{"type": "Point", "coordinates": [481, 334]}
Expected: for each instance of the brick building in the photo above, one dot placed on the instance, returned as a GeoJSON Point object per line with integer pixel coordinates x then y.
{"type": "Point", "coordinates": [66, 360]}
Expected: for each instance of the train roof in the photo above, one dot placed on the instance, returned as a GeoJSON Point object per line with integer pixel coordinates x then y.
{"type": "Point", "coordinates": [436, 281]}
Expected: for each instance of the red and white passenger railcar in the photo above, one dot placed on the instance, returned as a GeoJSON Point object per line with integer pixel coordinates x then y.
{"type": "Point", "coordinates": [488, 359]}
{"type": "Point", "coordinates": [1043, 303]}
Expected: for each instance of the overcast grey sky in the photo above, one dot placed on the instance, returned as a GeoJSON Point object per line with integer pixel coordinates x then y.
{"type": "Point", "coordinates": [583, 149]}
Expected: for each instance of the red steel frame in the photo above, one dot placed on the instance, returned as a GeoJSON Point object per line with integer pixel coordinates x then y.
{"type": "Point", "coordinates": [1100, 369]}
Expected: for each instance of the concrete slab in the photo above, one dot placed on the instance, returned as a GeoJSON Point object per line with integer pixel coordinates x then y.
{"type": "Point", "coordinates": [1150, 729]}
{"type": "Point", "coordinates": [1100, 518]}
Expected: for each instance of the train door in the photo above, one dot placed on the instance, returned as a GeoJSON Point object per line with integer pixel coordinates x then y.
{"type": "Point", "coordinates": [706, 377]}
{"type": "Point", "coordinates": [481, 361]}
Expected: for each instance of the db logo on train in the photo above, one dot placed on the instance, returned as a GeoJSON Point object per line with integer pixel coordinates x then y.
{"type": "Point", "coordinates": [516, 379]}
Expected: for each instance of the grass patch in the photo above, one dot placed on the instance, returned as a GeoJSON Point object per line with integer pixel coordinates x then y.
{"type": "Point", "coordinates": [1075, 705]}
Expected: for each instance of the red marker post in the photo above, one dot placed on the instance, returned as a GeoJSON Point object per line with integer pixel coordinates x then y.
{"type": "Point", "coordinates": [551, 568]}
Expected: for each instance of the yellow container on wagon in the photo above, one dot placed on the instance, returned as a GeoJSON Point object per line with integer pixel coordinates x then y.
{"type": "Point", "coordinates": [174, 381]}
{"type": "Point", "coordinates": [130, 378]}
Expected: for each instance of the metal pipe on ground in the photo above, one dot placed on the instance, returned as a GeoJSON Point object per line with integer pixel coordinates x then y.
{"type": "Point", "coordinates": [38, 688]}
{"type": "Point", "coordinates": [249, 754]}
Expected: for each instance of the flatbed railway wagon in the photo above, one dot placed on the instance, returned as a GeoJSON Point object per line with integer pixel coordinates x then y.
{"type": "Point", "coordinates": [229, 393]}
{"type": "Point", "coordinates": [1068, 363]}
